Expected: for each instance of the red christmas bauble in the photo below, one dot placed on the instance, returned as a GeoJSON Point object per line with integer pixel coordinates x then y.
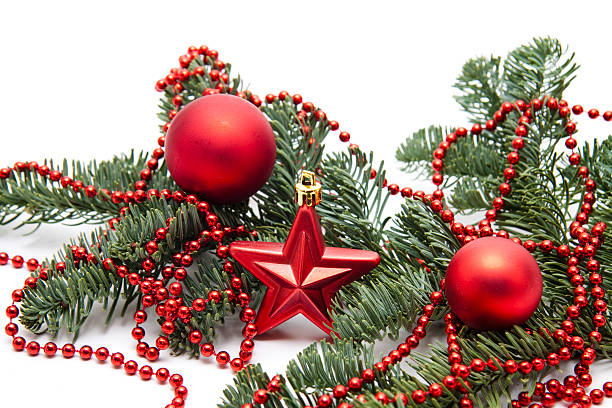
{"type": "Point", "coordinates": [493, 283]}
{"type": "Point", "coordinates": [221, 148]}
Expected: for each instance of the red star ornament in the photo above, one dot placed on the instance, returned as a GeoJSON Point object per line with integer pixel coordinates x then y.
{"type": "Point", "coordinates": [302, 275]}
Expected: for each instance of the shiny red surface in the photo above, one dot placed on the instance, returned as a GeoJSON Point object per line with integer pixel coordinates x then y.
{"type": "Point", "coordinates": [221, 148]}
{"type": "Point", "coordinates": [493, 283]}
{"type": "Point", "coordinates": [302, 275]}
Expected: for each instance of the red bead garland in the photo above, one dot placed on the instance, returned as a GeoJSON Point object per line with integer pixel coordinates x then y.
{"type": "Point", "coordinates": [167, 301]}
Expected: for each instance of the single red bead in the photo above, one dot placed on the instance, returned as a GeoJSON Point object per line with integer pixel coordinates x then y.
{"type": "Point", "coordinates": [138, 333]}
{"type": "Point", "coordinates": [85, 352]}
{"type": "Point", "coordinates": [32, 264]}
{"type": "Point", "coordinates": [574, 158]}
{"type": "Point", "coordinates": [33, 348]}
{"type": "Point", "coordinates": [548, 400]}
{"type": "Point", "coordinates": [152, 354]}
{"type": "Point", "coordinates": [141, 348]}
{"type": "Point", "coordinates": [102, 353]}
{"type": "Point", "coordinates": [145, 372]}
{"type": "Point", "coordinates": [538, 364]}
{"type": "Point", "coordinates": [435, 390]}
{"type": "Point", "coordinates": [236, 364]}
{"type": "Point", "coordinates": [11, 329]}
{"type": "Point", "coordinates": [499, 116]}
{"type": "Point", "coordinates": [344, 136]}
{"type": "Point", "coordinates": [368, 375]}
{"type": "Point", "coordinates": [393, 189]}
{"type": "Point", "coordinates": [167, 326]}
{"type": "Point", "coordinates": [381, 397]}
{"type": "Point", "coordinates": [178, 402]}
{"type": "Point", "coordinates": [12, 312]}
{"type": "Point", "coordinates": [520, 131]}
{"type": "Point", "coordinates": [355, 384]}
{"type": "Point", "coordinates": [437, 179]}
{"type": "Point", "coordinates": [68, 350]}
{"type": "Point", "coordinates": [181, 391]}
{"type": "Point", "coordinates": [518, 142]}
{"type": "Point", "coordinates": [222, 358]}
{"type": "Point", "coordinates": [50, 349]}
{"type": "Point", "coordinates": [525, 367]}
{"type": "Point", "coordinates": [419, 396]}
{"type": "Point", "coordinates": [195, 337]}
{"type": "Point", "coordinates": [577, 109]}
{"type": "Point", "coordinates": [513, 157]}
{"type": "Point", "coordinates": [507, 107]}
{"type": "Point", "coordinates": [505, 189]}
{"type": "Point", "coordinates": [597, 396]}
{"type": "Point", "coordinates": [17, 261]}
{"type": "Point", "coordinates": [260, 396]}
{"type": "Point", "coordinates": [552, 104]}
{"type": "Point", "coordinates": [340, 391]}
{"type": "Point", "coordinates": [175, 380]}
{"type": "Point", "coordinates": [162, 374]}
{"type": "Point", "coordinates": [585, 379]}
{"type": "Point", "coordinates": [466, 403]}
{"type": "Point", "coordinates": [130, 367]}
{"type": "Point", "coordinates": [297, 99]}
{"type": "Point", "coordinates": [510, 366]}
{"type": "Point", "coordinates": [116, 359]}
{"type": "Point", "coordinates": [449, 382]}
{"type": "Point", "coordinates": [509, 173]}
{"type": "Point", "coordinates": [546, 246]}
{"type": "Point", "coordinates": [19, 343]}
{"type": "Point", "coordinates": [477, 365]}
{"type": "Point", "coordinates": [607, 389]}
{"type": "Point", "coordinates": [436, 297]}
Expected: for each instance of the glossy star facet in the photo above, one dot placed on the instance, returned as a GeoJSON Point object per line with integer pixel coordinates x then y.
{"type": "Point", "coordinates": [302, 275]}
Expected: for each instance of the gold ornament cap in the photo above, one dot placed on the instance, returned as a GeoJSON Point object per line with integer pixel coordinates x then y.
{"type": "Point", "coordinates": [308, 190]}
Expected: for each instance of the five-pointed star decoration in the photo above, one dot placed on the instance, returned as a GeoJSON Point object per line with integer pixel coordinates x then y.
{"type": "Point", "coordinates": [302, 275]}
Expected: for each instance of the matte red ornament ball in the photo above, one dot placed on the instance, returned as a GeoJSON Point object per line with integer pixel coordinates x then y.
{"type": "Point", "coordinates": [221, 148]}
{"type": "Point", "coordinates": [493, 283]}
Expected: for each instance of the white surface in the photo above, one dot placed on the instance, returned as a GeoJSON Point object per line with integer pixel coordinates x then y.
{"type": "Point", "coordinates": [77, 81]}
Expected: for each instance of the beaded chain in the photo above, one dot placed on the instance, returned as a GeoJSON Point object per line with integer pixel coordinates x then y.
{"type": "Point", "coordinates": [165, 293]}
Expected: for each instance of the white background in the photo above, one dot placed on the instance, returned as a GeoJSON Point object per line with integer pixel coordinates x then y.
{"type": "Point", "coordinates": [77, 81]}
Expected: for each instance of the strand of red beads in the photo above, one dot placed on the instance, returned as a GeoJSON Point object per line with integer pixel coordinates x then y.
{"type": "Point", "coordinates": [168, 303]}
{"type": "Point", "coordinates": [573, 388]}
{"type": "Point", "coordinates": [469, 233]}
{"type": "Point", "coordinates": [162, 293]}
{"type": "Point", "coordinates": [86, 353]}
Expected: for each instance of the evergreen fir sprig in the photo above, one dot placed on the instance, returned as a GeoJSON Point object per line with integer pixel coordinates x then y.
{"type": "Point", "coordinates": [39, 200]}
{"type": "Point", "coordinates": [471, 158]}
{"type": "Point", "coordinates": [66, 298]}
{"type": "Point", "coordinates": [530, 71]}
{"type": "Point", "coordinates": [542, 67]}
{"type": "Point", "coordinates": [391, 297]}
{"type": "Point", "coordinates": [540, 206]}
{"type": "Point", "coordinates": [481, 87]}
{"type": "Point", "coordinates": [209, 276]}
{"type": "Point", "coordinates": [415, 245]}
{"type": "Point", "coordinates": [353, 200]}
